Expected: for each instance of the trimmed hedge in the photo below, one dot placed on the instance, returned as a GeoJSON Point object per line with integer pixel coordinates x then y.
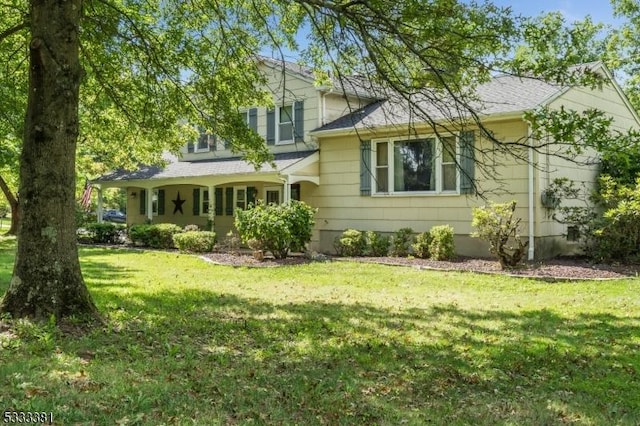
{"type": "Point", "coordinates": [442, 246]}
{"type": "Point", "coordinates": [351, 243]}
{"type": "Point", "coordinates": [104, 233]}
{"type": "Point", "coordinates": [155, 236]}
{"type": "Point", "coordinates": [195, 241]}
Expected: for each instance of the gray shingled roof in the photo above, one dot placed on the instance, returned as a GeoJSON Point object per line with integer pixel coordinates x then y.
{"type": "Point", "coordinates": [215, 167]}
{"type": "Point", "coordinates": [503, 94]}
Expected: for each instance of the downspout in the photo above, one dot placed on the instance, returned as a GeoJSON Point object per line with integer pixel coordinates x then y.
{"type": "Point", "coordinates": [531, 256]}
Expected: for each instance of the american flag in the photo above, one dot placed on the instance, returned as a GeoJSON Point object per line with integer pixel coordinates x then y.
{"type": "Point", "coordinates": [86, 195]}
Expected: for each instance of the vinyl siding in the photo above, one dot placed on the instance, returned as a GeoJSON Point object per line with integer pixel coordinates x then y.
{"type": "Point", "coordinates": [341, 206]}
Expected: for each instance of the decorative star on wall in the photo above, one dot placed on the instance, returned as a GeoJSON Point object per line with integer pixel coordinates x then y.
{"type": "Point", "coordinates": [178, 204]}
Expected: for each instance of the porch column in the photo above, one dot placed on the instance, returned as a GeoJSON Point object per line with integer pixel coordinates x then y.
{"type": "Point", "coordinates": [149, 204]}
{"type": "Point", "coordinates": [286, 193]}
{"type": "Point", "coordinates": [99, 208]}
{"type": "Point", "coordinates": [212, 206]}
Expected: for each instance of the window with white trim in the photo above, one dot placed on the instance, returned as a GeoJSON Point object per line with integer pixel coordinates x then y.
{"type": "Point", "coordinates": [272, 195]}
{"type": "Point", "coordinates": [204, 202]}
{"type": "Point", "coordinates": [154, 202]}
{"type": "Point", "coordinates": [285, 124]}
{"type": "Point", "coordinates": [240, 197]}
{"type": "Point", "coordinates": [425, 164]}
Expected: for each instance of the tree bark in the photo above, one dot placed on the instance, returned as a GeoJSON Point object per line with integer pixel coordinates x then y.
{"type": "Point", "coordinates": [47, 280]}
{"type": "Point", "coordinates": [13, 203]}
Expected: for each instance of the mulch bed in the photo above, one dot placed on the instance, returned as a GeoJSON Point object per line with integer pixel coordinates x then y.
{"type": "Point", "coordinates": [552, 270]}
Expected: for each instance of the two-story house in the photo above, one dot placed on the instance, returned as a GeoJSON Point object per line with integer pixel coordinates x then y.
{"type": "Point", "coordinates": [369, 164]}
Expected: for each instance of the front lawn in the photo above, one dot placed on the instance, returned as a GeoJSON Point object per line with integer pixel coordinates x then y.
{"type": "Point", "coordinates": [188, 342]}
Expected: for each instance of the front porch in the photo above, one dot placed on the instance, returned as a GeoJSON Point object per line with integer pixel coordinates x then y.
{"type": "Point", "coordinates": [206, 193]}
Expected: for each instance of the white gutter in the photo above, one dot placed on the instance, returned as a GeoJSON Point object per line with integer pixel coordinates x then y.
{"type": "Point", "coordinates": [531, 199]}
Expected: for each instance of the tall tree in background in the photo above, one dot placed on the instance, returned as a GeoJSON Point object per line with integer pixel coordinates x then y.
{"type": "Point", "coordinates": [131, 71]}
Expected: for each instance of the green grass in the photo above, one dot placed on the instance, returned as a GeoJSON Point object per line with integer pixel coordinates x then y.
{"type": "Point", "coordinates": [327, 343]}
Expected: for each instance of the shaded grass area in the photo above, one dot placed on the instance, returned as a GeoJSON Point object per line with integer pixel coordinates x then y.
{"type": "Point", "coordinates": [336, 343]}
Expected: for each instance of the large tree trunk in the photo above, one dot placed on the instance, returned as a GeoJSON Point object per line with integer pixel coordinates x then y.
{"type": "Point", "coordinates": [46, 277]}
{"type": "Point", "coordinates": [13, 202]}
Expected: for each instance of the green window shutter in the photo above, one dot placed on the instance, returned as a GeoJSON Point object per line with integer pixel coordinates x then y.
{"type": "Point", "coordinates": [295, 191]}
{"type": "Point", "coordinates": [253, 119]}
{"type": "Point", "coordinates": [298, 116]}
{"type": "Point", "coordinates": [229, 197]}
{"type": "Point", "coordinates": [190, 147]}
{"type": "Point", "coordinates": [271, 127]}
{"type": "Point", "coordinates": [467, 162]}
{"type": "Point", "coordinates": [218, 194]}
{"type": "Point", "coordinates": [251, 195]}
{"type": "Point", "coordinates": [365, 167]}
{"type": "Point", "coordinates": [143, 201]}
{"type": "Point", "coordinates": [196, 201]}
{"type": "Point", "coordinates": [160, 201]}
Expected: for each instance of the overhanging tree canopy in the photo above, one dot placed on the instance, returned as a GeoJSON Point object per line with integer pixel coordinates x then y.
{"type": "Point", "coordinates": [117, 82]}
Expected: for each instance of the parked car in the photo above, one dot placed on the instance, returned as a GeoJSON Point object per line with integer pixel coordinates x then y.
{"type": "Point", "coordinates": [114, 216]}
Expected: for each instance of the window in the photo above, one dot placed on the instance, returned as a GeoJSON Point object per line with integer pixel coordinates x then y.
{"type": "Point", "coordinates": [285, 127]}
{"type": "Point", "coordinates": [285, 124]}
{"type": "Point", "coordinates": [154, 202]}
{"type": "Point", "coordinates": [272, 195]}
{"type": "Point", "coordinates": [240, 197]}
{"type": "Point", "coordinates": [204, 201]}
{"type": "Point", "coordinates": [573, 233]}
{"type": "Point", "coordinates": [415, 165]}
{"type": "Point", "coordinates": [449, 171]}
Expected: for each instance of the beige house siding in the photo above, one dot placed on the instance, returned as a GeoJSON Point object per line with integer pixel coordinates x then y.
{"type": "Point", "coordinates": [610, 100]}
{"type": "Point", "coordinates": [340, 205]}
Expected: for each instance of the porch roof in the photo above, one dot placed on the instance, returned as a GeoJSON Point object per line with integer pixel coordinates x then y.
{"type": "Point", "coordinates": [211, 167]}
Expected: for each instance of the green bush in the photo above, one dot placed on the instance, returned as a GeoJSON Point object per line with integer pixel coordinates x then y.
{"type": "Point", "coordinates": [442, 246]}
{"type": "Point", "coordinates": [378, 244]}
{"type": "Point", "coordinates": [155, 236]}
{"type": "Point", "coordinates": [191, 228]}
{"type": "Point", "coordinates": [421, 245]}
{"type": "Point", "coordinates": [616, 234]}
{"type": "Point", "coordinates": [401, 242]}
{"type": "Point", "coordinates": [351, 243]}
{"type": "Point", "coordinates": [280, 228]}
{"type": "Point", "coordinates": [138, 234]}
{"type": "Point", "coordinates": [496, 225]}
{"type": "Point", "coordinates": [195, 241]}
{"type": "Point", "coordinates": [104, 233]}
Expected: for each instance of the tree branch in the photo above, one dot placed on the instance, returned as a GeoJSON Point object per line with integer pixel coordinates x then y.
{"type": "Point", "coordinates": [11, 31]}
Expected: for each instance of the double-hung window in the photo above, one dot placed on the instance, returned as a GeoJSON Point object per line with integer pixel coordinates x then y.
{"type": "Point", "coordinates": [426, 164]}
{"type": "Point", "coordinates": [285, 124]}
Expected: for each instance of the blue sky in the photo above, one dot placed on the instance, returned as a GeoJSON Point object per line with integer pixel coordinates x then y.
{"type": "Point", "coordinates": [599, 10]}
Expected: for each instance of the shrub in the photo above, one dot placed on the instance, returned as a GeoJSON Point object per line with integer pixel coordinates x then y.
{"type": "Point", "coordinates": [138, 234]}
{"type": "Point", "coordinates": [191, 228]}
{"type": "Point", "coordinates": [104, 233]}
{"type": "Point", "coordinates": [351, 243]}
{"type": "Point", "coordinates": [378, 244]}
{"type": "Point", "coordinates": [401, 241]}
{"type": "Point", "coordinates": [441, 246]}
{"type": "Point", "coordinates": [280, 228]}
{"type": "Point", "coordinates": [496, 225]}
{"type": "Point", "coordinates": [421, 245]}
{"type": "Point", "coordinates": [616, 234]}
{"type": "Point", "coordinates": [195, 241]}
{"type": "Point", "coordinates": [156, 236]}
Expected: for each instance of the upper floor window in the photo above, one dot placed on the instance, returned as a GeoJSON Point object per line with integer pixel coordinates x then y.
{"type": "Point", "coordinates": [285, 124]}
{"type": "Point", "coordinates": [415, 165]}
